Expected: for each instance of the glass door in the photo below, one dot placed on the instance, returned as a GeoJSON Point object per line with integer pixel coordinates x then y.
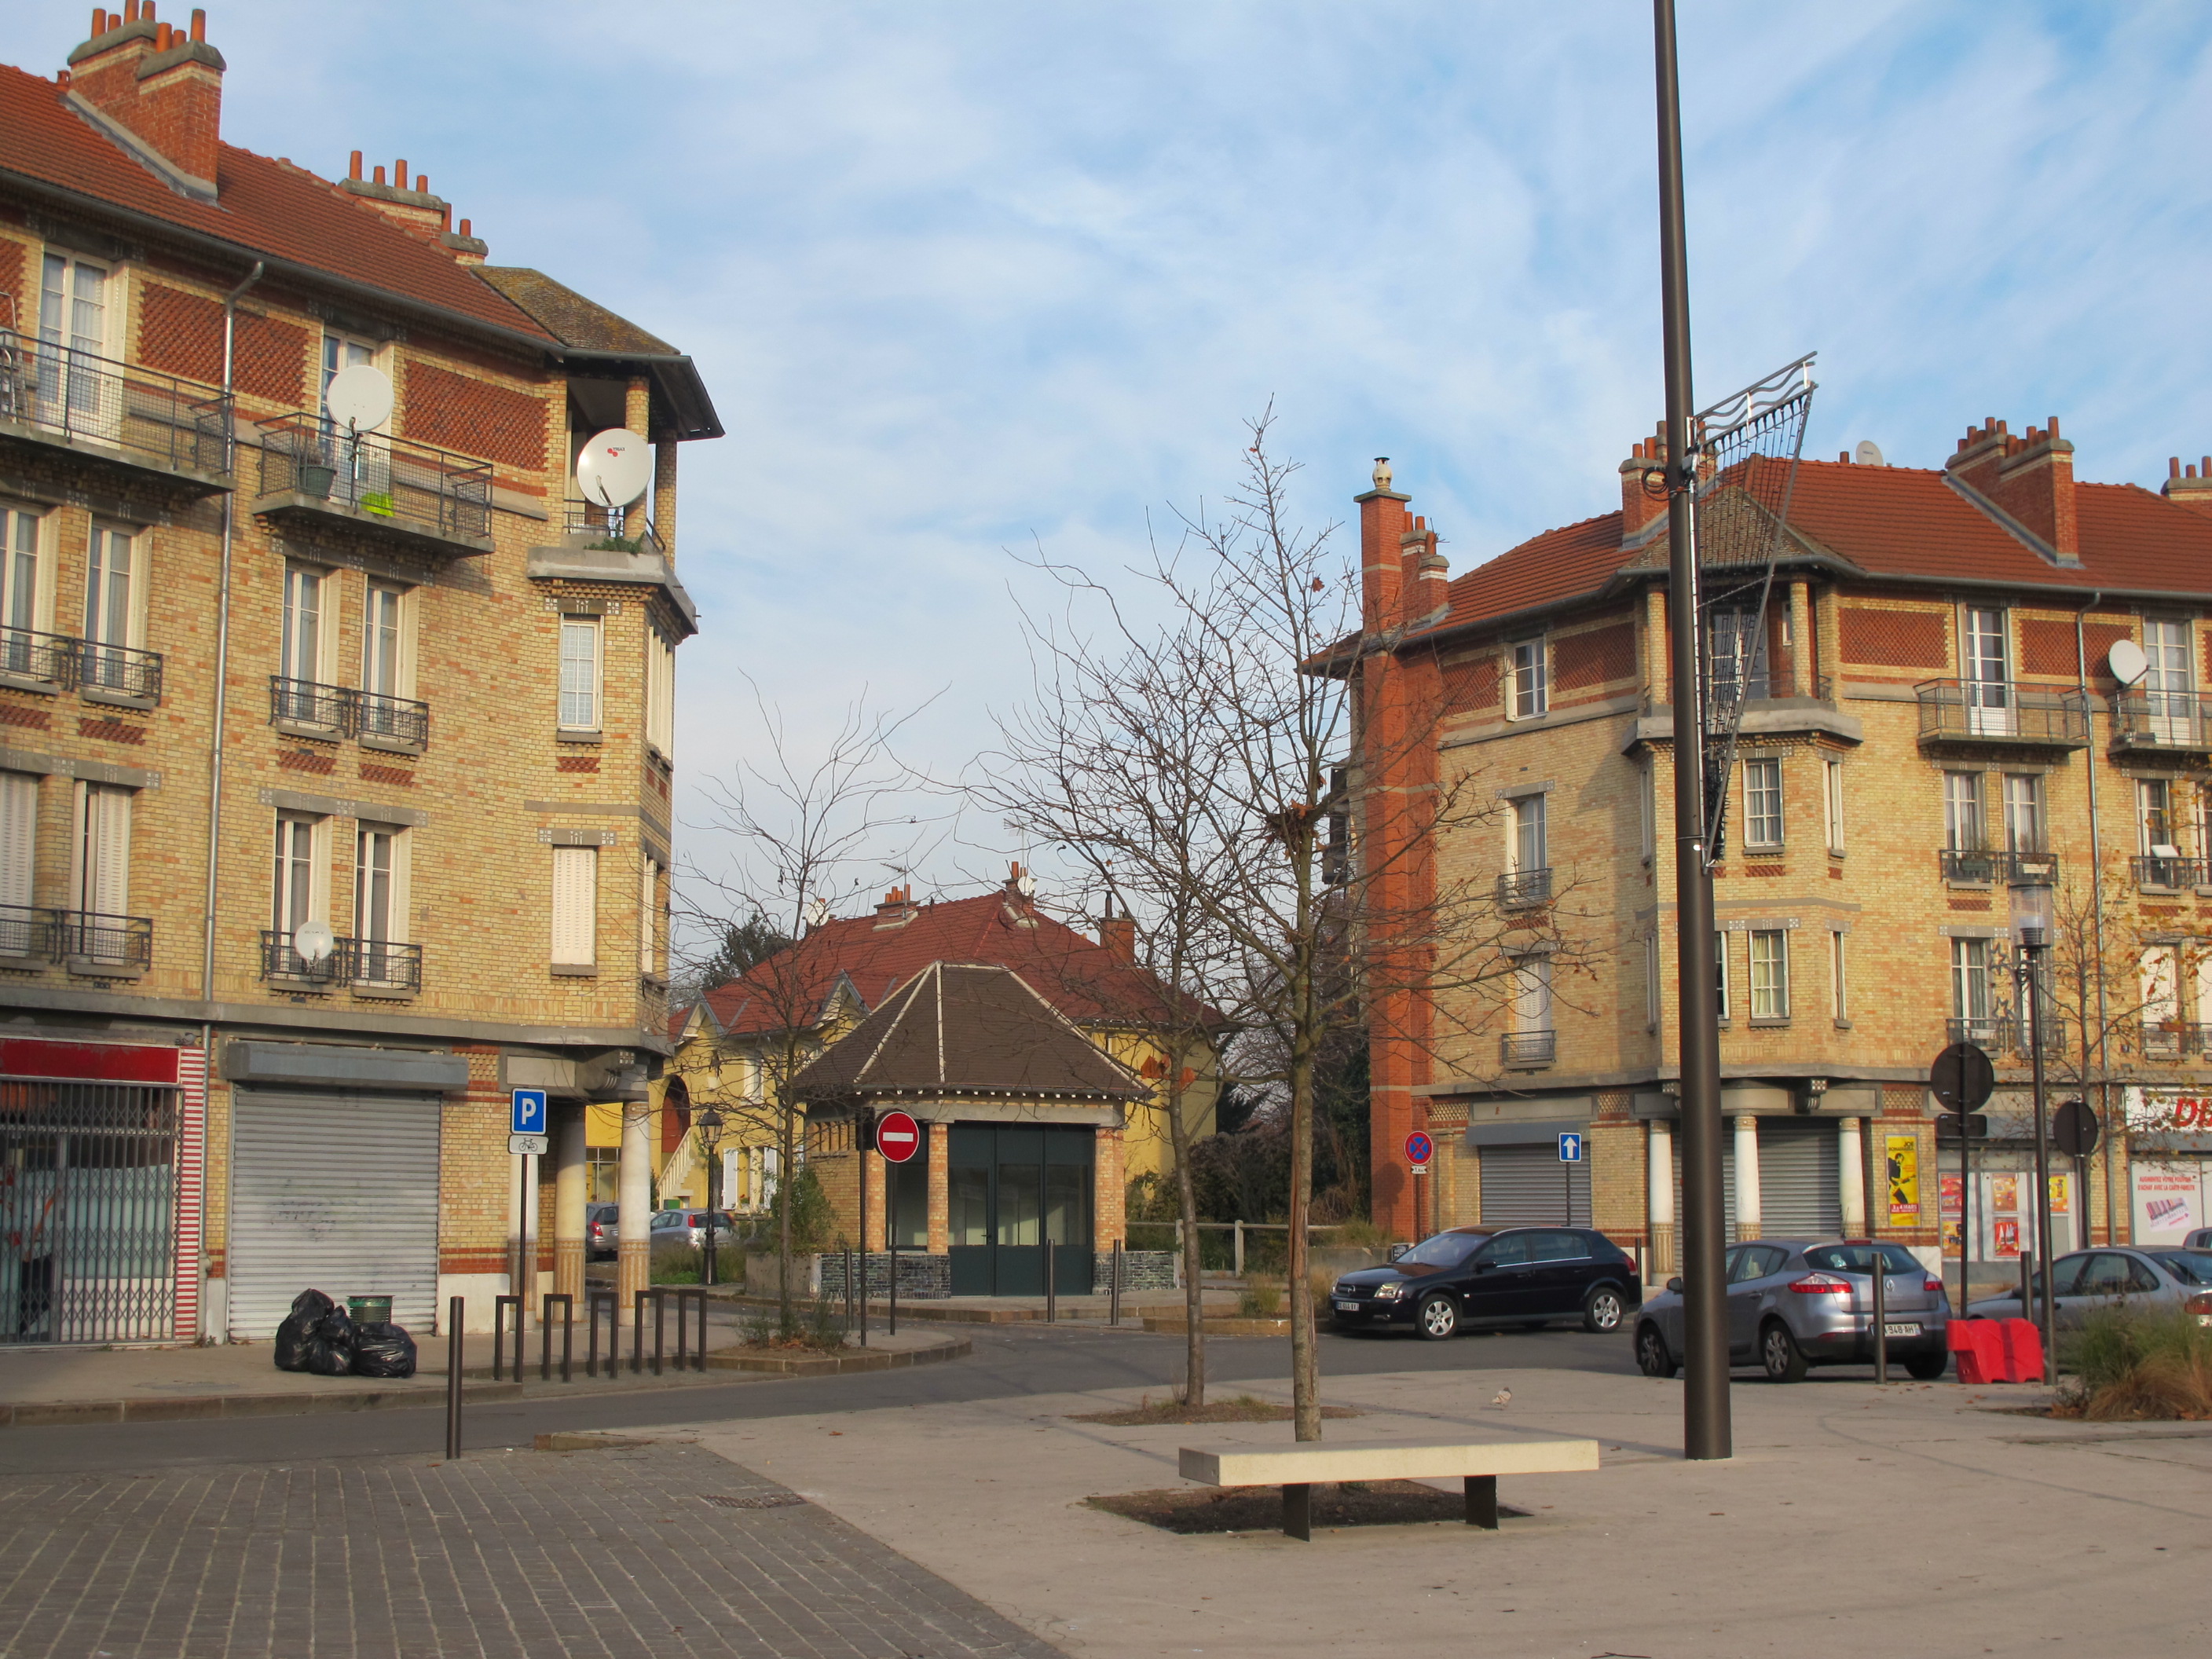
{"type": "Point", "coordinates": [1011, 1189]}
{"type": "Point", "coordinates": [2168, 694]}
{"type": "Point", "coordinates": [1988, 674]}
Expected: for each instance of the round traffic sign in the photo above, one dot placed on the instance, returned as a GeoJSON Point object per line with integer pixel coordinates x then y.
{"type": "Point", "coordinates": [898, 1137]}
{"type": "Point", "coordinates": [1962, 1077]}
{"type": "Point", "coordinates": [1419, 1149]}
{"type": "Point", "coordinates": [2075, 1128]}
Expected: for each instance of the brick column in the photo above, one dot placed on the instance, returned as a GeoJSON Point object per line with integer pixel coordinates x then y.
{"type": "Point", "coordinates": [1802, 649]}
{"type": "Point", "coordinates": [570, 1161]}
{"type": "Point", "coordinates": [1109, 1204]}
{"type": "Point", "coordinates": [633, 1264]}
{"type": "Point", "coordinates": [663, 494]}
{"type": "Point", "coordinates": [637, 416]}
{"type": "Point", "coordinates": [940, 1188]}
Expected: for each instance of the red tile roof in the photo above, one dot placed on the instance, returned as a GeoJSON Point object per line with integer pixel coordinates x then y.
{"type": "Point", "coordinates": [1887, 521]}
{"type": "Point", "coordinates": [1081, 978]}
{"type": "Point", "coordinates": [264, 207]}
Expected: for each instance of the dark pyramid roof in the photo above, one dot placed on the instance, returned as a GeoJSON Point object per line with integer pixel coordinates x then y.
{"type": "Point", "coordinates": [966, 1028]}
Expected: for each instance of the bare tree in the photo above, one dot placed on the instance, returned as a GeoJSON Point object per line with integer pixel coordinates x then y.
{"type": "Point", "coordinates": [1202, 739]}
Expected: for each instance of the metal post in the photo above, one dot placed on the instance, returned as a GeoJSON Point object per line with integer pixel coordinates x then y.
{"type": "Point", "coordinates": [1239, 1226]}
{"type": "Point", "coordinates": [848, 1290]}
{"type": "Point", "coordinates": [699, 1359]}
{"type": "Point", "coordinates": [568, 1337]}
{"type": "Point", "coordinates": [891, 1249]}
{"type": "Point", "coordinates": [500, 1304]}
{"type": "Point", "coordinates": [1707, 1431]}
{"type": "Point", "coordinates": [863, 1143]}
{"type": "Point", "coordinates": [2045, 1312]}
{"type": "Point", "coordinates": [1051, 1282]}
{"type": "Point", "coordinates": [1881, 1317]}
{"type": "Point", "coordinates": [2027, 1280]}
{"type": "Point", "coordinates": [1965, 1213]}
{"type": "Point", "coordinates": [611, 1300]}
{"type": "Point", "coordinates": [660, 1324]}
{"type": "Point", "coordinates": [1114, 1295]}
{"type": "Point", "coordinates": [454, 1309]}
{"type": "Point", "coordinates": [637, 1330]}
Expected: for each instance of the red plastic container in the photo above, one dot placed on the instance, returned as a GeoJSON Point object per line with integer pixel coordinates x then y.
{"type": "Point", "coordinates": [1980, 1345]}
{"type": "Point", "coordinates": [2023, 1349]}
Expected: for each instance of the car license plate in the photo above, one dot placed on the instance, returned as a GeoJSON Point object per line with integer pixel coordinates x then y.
{"type": "Point", "coordinates": [1347, 1307]}
{"type": "Point", "coordinates": [1897, 1329]}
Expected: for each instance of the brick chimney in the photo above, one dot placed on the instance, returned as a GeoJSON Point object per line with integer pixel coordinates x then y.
{"type": "Point", "coordinates": [2029, 478]}
{"type": "Point", "coordinates": [1382, 527]}
{"type": "Point", "coordinates": [1639, 506]}
{"type": "Point", "coordinates": [1118, 932]}
{"type": "Point", "coordinates": [2189, 487]}
{"type": "Point", "coordinates": [161, 84]}
{"type": "Point", "coordinates": [1423, 576]}
{"type": "Point", "coordinates": [408, 202]}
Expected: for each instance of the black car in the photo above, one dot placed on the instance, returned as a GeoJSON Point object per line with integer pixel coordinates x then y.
{"type": "Point", "coordinates": [1489, 1276]}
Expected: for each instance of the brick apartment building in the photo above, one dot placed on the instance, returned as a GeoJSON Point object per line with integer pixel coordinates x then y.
{"type": "Point", "coordinates": [264, 680]}
{"type": "Point", "coordinates": [1930, 701]}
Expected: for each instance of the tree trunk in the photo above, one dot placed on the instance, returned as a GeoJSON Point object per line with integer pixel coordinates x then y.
{"type": "Point", "coordinates": [1305, 1359]}
{"type": "Point", "coordinates": [1193, 1290]}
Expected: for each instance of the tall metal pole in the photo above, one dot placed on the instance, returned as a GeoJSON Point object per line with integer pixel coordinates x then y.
{"type": "Point", "coordinates": [2045, 1255]}
{"type": "Point", "coordinates": [1706, 1429]}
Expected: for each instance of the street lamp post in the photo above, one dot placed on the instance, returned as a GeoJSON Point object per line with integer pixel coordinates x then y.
{"type": "Point", "coordinates": [708, 1126]}
{"type": "Point", "coordinates": [2032, 920]}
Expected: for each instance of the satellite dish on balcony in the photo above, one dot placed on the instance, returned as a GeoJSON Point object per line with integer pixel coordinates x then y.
{"type": "Point", "coordinates": [613, 469]}
{"type": "Point", "coordinates": [2128, 662]}
{"type": "Point", "coordinates": [312, 941]}
{"type": "Point", "coordinates": [359, 397]}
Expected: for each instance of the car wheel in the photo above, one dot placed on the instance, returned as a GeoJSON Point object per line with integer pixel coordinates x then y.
{"type": "Point", "coordinates": [1651, 1355]}
{"type": "Point", "coordinates": [1603, 1310]}
{"type": "Point", "coordinates": [1779, 1355]}
{"type": "Point", "coordinates": [1927, 1367]}
{"type": "Point", "coordinates": [1437, 1318]}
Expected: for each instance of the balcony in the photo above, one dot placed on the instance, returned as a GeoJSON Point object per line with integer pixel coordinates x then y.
{"type": "Point", "coordinates": [1758, 708]}
{"type": "Point", "coordinates": [2172, 1039]}
{"type": "Point", "coordinates": [587, 528]}
{"type": "Point", "coordinates": [2001, 711]}
{"type": "Point", "coordinates": [310, 708]}
{"type": "Point", "coordinates": [2157, 874]}
{"type": "Point", "coordinates": [57, 397]}
{"type": "Point", "coordinates": [1528, 1049]}
{"type": "Point", "coordinates": [1973, 867]}
{"type": "Point", "coordinates": [371, 966]}
{"type": "Point", "coordinates": [1518, 889]}
{"type": "Point", "coordinates": [407, 492]}
{"type": "Point", "coordinates": [94, 942]}
{"type": "Point", "coordinates": [113, 673]}
{"type": "Point", "coordinates": [2001, 1034]}
{"type": "Point", "coordinates": [2169, 722]}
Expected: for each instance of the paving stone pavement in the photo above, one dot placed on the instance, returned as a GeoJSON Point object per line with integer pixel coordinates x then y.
{"type": "Point", "coordinates": [613, 1553]}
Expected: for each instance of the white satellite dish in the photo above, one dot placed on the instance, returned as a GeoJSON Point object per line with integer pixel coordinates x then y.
{"type": "Point", "coordinates": [614, 468]}
{"type": "Point", "coordinates": [2127, 661]}
{"type": "Point", "coordinates": [312, 941]}
{"type": "Point", "coordinates": [1869, 453]}
{"type": "Point", "coordinates": [359, 397]}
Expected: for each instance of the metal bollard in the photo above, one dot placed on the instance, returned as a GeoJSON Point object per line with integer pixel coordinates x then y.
{"type": "Point", "coordinates": [455, 1307]}
{"type": "Point", "coordinates": [848, 1290]}
{"type": "Point", "coordinates": [593, 1301]}
{"type": "Point", "coordinates": [568, 1336]}
{"type": "Point", "coordinates": [500, 1304]}
{"type": "Point", "coordinates": [637, 1333]}
{"type": "Point", "coordinates": [699, 1354]}
{"type": "Point", "coordinates": [1114, 1293]}
{"type": "Point", "coordinates": [894, 1258]}
{"type": "Point", "coordinates": [1881, 1319]}
{"type": "Point", "coordinates": [2027, 1284]}
{"type": "Point", "coordinates": [660, 1322]}
{"type": "Point", "coordinates": [1051, 1283]}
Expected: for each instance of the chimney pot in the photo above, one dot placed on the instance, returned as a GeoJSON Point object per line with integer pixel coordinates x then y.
{"type": "Point", "coordinates": [199, 23]}
{"type": "Point", "coordinates": [399, 174]}
{"type": "Point", "coordinates": [379, 176]}
{"type": "Point", "coordinates": [146, 11]}
{"type": "Point", "coordinates": [465, 231]}
{"type": "Point", "coordinates": [98, 23]}
{"type": "Point", "coordinates": [2173, 466]}
{"type": "Point", "coordinates": [130, 11]}
{"type": "Point", "coordinates": [423, 183]}
{"type": "Point", "coordinates": [353, 167]}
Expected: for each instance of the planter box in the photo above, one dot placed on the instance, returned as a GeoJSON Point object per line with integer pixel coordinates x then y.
{"type": "Point", "coordinates": [762, 1278]}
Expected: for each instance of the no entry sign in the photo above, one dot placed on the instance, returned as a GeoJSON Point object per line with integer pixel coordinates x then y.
{"type": "Point", "coordinates": [898, 1137]}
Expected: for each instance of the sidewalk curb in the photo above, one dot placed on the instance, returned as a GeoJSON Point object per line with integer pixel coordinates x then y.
{"type": "Point", "coordinates": [76, 1413]}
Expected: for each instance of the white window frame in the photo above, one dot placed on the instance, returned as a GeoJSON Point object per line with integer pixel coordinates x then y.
{"type": "Point", "coordinates": [349, 350]}
{"type": "Point", "coordinates": [289, 909]}
{"type": "Point", "coordinates": [1971, 981]}
{"type": "Point", "coordinates": [1832, 780]}
{"type": "Point", "coordinates": [402, 650]}
{"type": "Point", "coordinates": [112, 301]}
{"type": "Point", "coordinates": [299, 576]}
{"type": "Point", "coordinates": [2147, 790]}
{"type": "Point", "coordinates": [588, 714]}
{"type": "Point", "coordinates": [90, 893]}
{"type": "Point", "coordinates": [19, 860]}
{"type": "Point", "coordinates": [1839, 974]}
{"type": "Point", "coordinates": [1966, 824]}
{"type": "Point", "coordinates": [2027, 807]}
{"type": "Point", "coordinates": [661, 692]}
{"type": "Point", "coordinates": [1530, 670]}
{"type": "Point", "coordinates": [574, 911]}
{"type": "Point", "coordinates": [100, 605]}
{"type": "Point", "coordinates": [399, 851]}
{"type": "Point", "coordinates": [1528, 831]}
{"type": "Point", "coordinates": [27, 585]}
{"type": "Point", "coordinates": [1769, 979]}
{"type": "Point", "coordinates": [650, 914]}
{"type": "Point", "coordinates": [1724, 981]}
{"type": "Point", "coordinates": [1762, 829]}
{"type": "Point", "coordinates": [1532, 992]}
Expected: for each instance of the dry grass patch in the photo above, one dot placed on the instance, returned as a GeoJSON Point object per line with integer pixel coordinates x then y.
{"type": "Point", "coordinates": [1240, 1408]}
{"type": "Point", "coordinates": [2139, 1367]}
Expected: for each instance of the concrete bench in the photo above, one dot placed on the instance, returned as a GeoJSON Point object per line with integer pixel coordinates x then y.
{"type": "Point", "coordinates": [1298, 1468]}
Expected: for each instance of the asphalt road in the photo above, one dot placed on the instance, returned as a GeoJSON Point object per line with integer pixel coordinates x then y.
{"type": "Point", "coordinates": [1008, 1361]}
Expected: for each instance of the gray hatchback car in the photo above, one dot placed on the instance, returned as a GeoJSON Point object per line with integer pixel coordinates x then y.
{"type": "Point", "coordinates": [1793, 1303]}
{"type": "Point", "coordinates": [2157, 1277]}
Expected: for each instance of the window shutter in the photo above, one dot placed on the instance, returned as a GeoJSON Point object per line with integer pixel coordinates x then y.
{"type": "Point", "coordinates": [648, 871]}
{"type": "Point", "coordinates": [107, 869]}
{"type": "Point", "coordinates": [19, 823]}
{"type": "Point", "coordinates": [575, 905]}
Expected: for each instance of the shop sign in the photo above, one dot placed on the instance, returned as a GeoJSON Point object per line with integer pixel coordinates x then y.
{"type": "Point", "coordinates": [2167, 1112]}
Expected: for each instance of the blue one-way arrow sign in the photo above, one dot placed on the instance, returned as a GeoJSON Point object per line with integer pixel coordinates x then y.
{"type": "Point", "coordinates": [529, 1113]}
{"type": "Point", "coordinates": [1571, 1149]}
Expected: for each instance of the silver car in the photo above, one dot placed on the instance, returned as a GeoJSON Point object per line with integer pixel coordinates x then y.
{"type": "Point", "coordinates": [2153, 1276]}
{"type": "Point", "coordinates": [1793, 1303]}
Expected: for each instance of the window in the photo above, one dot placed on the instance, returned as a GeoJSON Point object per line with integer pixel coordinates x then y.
{"type": "Point", "coordinates": [19, 831]}
{"type": "Point", "coordinates": [1721, 972]}
{"type": "Point", "coordinates": [100, 885]}
{"type": "Point", "coordinates": [1832, 796]}
{"type": "Point", "coordinates": [1651, 1009]}
{"type": "Point", "coordinates": [1531, 692]}
{"type": "Point", "coordinates": [1769, 975]}
{"type": "Point", "coordinates": [576, 906]}
{"type": "Point", "coordinates": [649, 920]}
{"type": "Point", "coordinates": [1987, 670]}
{"type": "Point", "coordinates": [2155, 817]}
{"type": "Point", "coordinates": [602, 1175]}
{"type": "Point", "coordinates": [112, 605]}
{"type": "Point", "coordinates": [380, 902]}
{"type": "Point", "coordinates": [384, 641]}
{"type": "Point", "coordinates": [338, 353]}
{"type": "Point", "coordinates": [2023, 813]}
{"type": "Point", "coordinates": [1839, 991]}
{"type": "Point", "coordinates": [1532, 994]}
{"type": "Point", "coordinates": [2159, 979]}
{"type": "Point", "coordinates": [1647, 806]}
{"type": "Point", "coordinates": [1971, 988]}
{"type": "Point", "coordinates": [1762, 803]}
{"type": "Point", "coordinates": [579, 673]}
{"type": "Point", "coordinates": [73, 317]}
{"type": "Point", "coordinates": [1530, 849]}
{"type": "Point", "coordinates": [659, 692]}
{"type": "Point", "coordinates": [20, 593]}
{"type": "Point", "coordinates": [1962, 812]}
{"type": "Point", "coordinates": [299, 642]}
{"type": "Point", "coordinates": [1735, 656]}
{"type": "Point", "coordinates": [298, 892]}
{"type": "Point", "coordinates": [2168, 697]}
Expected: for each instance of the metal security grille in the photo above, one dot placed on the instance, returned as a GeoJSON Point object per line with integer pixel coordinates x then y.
{"type": "Point", "coordinates": [1728, 1179]}
{"type": "Point", "coordinates": [88, 1212]}
{"type": "Point", "coordinates": [1529, 1186]}
{"type": "Point", "coordinates": [1801, 1192]}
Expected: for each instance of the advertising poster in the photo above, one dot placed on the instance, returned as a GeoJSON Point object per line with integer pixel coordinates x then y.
{"type": "Point", "coordinates": [2169, 1202]}
{"type": "Point", "coordinates": [1950, 1190]}
{"type": "Point", "coordinates": [2005, 1231]}
{"type": "Point", "coordinates": [2060, 1186]}
{"type": "Point", "coordinates": [2004, 1197]}
{"type": "Point", "coordinates": [1903, 1153]}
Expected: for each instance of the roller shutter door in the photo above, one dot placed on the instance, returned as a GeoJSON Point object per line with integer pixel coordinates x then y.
{"type": "Point", "coordinates": [337, 1192]}
{"type": "Point", "coordinates": [1727, 1180]}
{"type": "Point", "coordinates": [1528, 1186]}
{"type": "Point", "coordinates": [1800, 1190]}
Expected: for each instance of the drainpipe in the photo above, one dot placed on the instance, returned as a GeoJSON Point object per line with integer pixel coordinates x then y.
{"type": "Point", "coordinates": [2097, 900]}
{"type": "Point", "coordinates": [214, 768]}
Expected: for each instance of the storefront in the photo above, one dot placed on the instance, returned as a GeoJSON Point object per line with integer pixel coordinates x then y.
{"type": "Point", "coordinates": [2170, 1163]}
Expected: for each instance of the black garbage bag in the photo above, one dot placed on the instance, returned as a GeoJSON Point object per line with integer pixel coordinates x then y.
{"type": "Point", "coordinates": [309, 1310]}
{"type": "Point", "coordinates": [328, 1350]}
{"type": "Point", "coordinates": [382, 1351]}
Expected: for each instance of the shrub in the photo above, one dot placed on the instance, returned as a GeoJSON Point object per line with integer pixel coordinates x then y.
{"type": "Point", "coordinates": [1261, 1299]}
{"type": "Point", "coordinates": [2132, 1364]}
{"type": "Point", "coordinates": [812, 1221]}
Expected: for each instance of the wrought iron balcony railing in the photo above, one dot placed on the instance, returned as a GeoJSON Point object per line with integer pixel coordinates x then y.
{"type": "Point", "coordinates": [413, 487]}
{"type": "Point", "coordinates": [64, 660]}
{"type": "Point", "coordinates": [2178, 720]}
{"type": "Point", "coordinates": [1518, 888]}
{"type": "Point", "coordinates": [141, 415]}
{"type": "Point", "coordinates": [94, 936]}
{"type": "Point", "coordinates": [2001, 711]}
{"type": "Point", "coordinates": [1723, 700]}
{"type": "Point", "coordinates": [1527, 1048]}
{"type": "Point", "coordinates": [1970, 864]}
{"type": "Point", "coordinates": [377, 963]}
{"type": "Point", "coordinates": [2170, 874]}
{"type": "Point", "coordinates": [26, 931]}
{"type": "Point", "coordinates": [343, 711]}
{"type": "Point", "coordinates": [2170, 1039]}
{"type": "Point", "coordinates": [2004, 1034]}
{"type": "Point", "coordinates": [591, 525]}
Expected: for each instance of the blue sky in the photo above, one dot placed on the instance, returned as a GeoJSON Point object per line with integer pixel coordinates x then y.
{"type": "Point", "coordinates": [963, 276]}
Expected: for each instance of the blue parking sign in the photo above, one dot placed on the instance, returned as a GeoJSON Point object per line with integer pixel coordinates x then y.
{"type": "Point", "coordinates": [529, 1114]}
{"type": "Point", "coordinates": [1571, 1149]}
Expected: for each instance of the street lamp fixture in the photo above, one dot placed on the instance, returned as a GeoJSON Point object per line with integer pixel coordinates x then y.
{"type": "Point", "coordinates": [2034, 915]}
{"type": "Point", "coordinates": [707, 1126]}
